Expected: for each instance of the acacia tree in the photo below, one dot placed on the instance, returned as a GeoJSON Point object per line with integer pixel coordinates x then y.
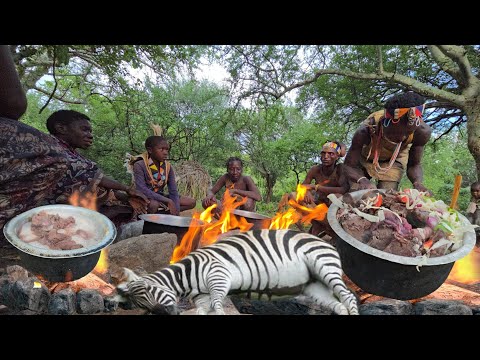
{"type": "Point", "coordinates": [448, 75]}
{"type": "Point", "coordinates": [277, 140]}
{"type": "Point", "coordinates": [102, 69]}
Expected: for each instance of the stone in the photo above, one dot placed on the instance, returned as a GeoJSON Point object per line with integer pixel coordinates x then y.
{"type": "Point", "coordinates": [386, 307]}
{"type": "Point", "coordinates": [142, 254]}
{"type": "Point", "coordinates": [30, 294]}
{"type": "Point", "coordinates": [441, 307]}
{"type": "Point", "coordinates": [16, 272]}
{"type": "Point", "coordinates": [62, 303]}
{"type": "Point", "coordinates": [89, 302]}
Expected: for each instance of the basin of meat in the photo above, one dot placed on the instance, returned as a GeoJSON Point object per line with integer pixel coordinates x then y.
{"type": "Point", "coordinates": [378, 259]}
{"type": "Point", "coordinates": [60, 242]}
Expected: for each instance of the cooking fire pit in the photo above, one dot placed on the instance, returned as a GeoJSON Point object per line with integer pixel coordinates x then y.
{"type": "Point", "coordinates": [393, 276]}
{"type": "Point", "coordinates": [160, 223]}
{"type": "Point", "coordinates": [259, 221]}
{"type": "Point", "coordinates": [61, 265]}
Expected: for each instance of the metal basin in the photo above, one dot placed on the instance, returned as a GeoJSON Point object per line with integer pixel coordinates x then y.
{"type": "Point", "coordinates": [61, 265]}
{"type": "Point", "coordinates": [160, 223]}
{"type": "Point", "coordinates": [259, 221]}
{"type": "Point", "coordinates": [393, 276]}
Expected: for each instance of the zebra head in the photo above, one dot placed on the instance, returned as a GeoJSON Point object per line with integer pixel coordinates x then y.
{"type": "Point", "coordinates": [156, 299]}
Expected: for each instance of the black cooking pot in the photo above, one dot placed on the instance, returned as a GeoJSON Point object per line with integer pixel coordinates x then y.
{"type": "Point", "coordinates": [61, 265]}
{"type": "Point", "coordinates": [393, 276]}
{"type": "Point", "coordinates": [259, 221]}
{"type": "Point", "coordinates": [162, 223]}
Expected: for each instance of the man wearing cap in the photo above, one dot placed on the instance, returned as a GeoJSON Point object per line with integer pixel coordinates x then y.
{"type": "Point", "coordinates": [389, 142]}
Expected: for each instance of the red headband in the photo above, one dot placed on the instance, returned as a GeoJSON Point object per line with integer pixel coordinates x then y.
{"type": "Point", "coordinates": [398, 113]}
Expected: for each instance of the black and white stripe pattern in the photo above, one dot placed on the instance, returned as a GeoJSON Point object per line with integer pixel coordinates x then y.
{"type": "Point", "coordinates": [276, 262]}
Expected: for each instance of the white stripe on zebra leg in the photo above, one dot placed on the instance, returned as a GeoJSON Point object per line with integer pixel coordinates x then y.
{"type": "Point", "coordinates": [324, 296]}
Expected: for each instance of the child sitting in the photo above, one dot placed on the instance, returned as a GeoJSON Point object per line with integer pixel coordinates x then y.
{"type": "Point", "coordinates": [152, 172]}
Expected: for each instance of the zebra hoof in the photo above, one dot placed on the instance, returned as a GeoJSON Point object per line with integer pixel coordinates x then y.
{"type": "Point", "coordinates": [201, 311]}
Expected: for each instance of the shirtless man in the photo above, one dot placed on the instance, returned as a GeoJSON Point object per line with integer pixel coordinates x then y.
{"type": "Point", "coordinates": [329, 179]}
{"type": "Point", "coordinates": [236, 184]}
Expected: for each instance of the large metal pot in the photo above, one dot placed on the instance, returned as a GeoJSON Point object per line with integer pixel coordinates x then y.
{"type": "Point", "coordinates": [162, 223]}
{"type": "Point", "coordinates": [259, 221]}
{"type": "Point", "coordinates": [384, 274]}
{"type": "Point", "coordinates": [61, 265]}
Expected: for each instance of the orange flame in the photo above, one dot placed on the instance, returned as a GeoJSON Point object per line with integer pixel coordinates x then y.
{"type": "Point", "coordinates": [301, 192]}
{"type": "Point", "coordinates": [190, 240]}
{"type": "Point", "coordinates": [283, 220]}
{"type": "Point", "coordinates": [297, 212]}
{"type": "Point", "coordinates": [317, 213]}
{"type": "Point", "coordinates": [88, 200]}
{"type": "Point", "coordinates": [467, 269]}
{"type": "Point", "coordinates": [102, 264]}
{"type": "Point", "coordinates": [208, 232]}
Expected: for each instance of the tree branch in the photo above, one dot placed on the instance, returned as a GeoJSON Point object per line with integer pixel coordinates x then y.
{"type": "Point", "coordinates": [459, 55]}
{"type": "Point", "coordinates": [454, 125]}
{"type": "Point", "coordinates": [57, 97]}
{"type": "Point", "coordinates": [389, 77]}
{"type": "Point", "coordinates": [447, 64]}
{"type": "Point", "coordinates": [56, 82]}
{"type": "Point", "coordinates": [379, 59]}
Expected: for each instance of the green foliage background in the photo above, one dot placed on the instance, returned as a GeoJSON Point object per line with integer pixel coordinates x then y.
{"type": "Point", "coordinates": [278, 141]}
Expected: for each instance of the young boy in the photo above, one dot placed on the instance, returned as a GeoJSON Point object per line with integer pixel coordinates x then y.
{"type": "Point", "coordinates": [236, 184]}
{"type": "Point", "coordinates": [473, 210]}
{"type": "Point", "coordinates": [153, 172]}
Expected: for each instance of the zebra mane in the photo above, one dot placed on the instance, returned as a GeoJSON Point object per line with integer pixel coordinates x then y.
{"type": "Point", "coordinates": [129, 275]}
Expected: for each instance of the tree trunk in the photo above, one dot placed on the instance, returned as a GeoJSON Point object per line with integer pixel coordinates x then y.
{"type": "Point", "coordinates": [269, 183]}
{"type": "Point", "coordinates": [473, 130]}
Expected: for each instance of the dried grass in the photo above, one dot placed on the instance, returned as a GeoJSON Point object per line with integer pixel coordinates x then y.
{"type": "Point", "coordinates": [192, 179]}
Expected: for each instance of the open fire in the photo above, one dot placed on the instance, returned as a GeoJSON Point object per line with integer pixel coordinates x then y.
{"type": "Point", "coordinates": [211, 230]}
{"type": "Point", "coordinates": [467, 269]}
{"type": "Point", "coordinates": [89, 201]}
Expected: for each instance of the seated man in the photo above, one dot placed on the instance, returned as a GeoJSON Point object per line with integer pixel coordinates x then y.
{"type": "Point", "coordinates": [152, 172]}
{"type": "Point", "coordinates": [236, 184]}
{"type": "Point", "coordinates": [389, 142]}
{"type": "Point", "coordinates": [329, 179]}
{"type": "Point", "coordinates": [72, 130]}
{"type": "Point", "coordinates": [473, 210]}
{"type": "Point", "coordinates": [30, 161]}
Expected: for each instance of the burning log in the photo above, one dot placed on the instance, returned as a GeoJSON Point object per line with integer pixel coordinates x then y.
{"type": "Point", "coordinates": [90, 281]}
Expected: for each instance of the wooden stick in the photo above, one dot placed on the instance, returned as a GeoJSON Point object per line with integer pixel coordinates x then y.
{"type": "Point", "coordinates": [456, 191]}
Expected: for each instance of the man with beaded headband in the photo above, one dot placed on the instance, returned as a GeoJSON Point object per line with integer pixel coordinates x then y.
{"type": "Point", "coordinates": [388, 143]}
{"type": "Point", "coordinates": [329, 179]}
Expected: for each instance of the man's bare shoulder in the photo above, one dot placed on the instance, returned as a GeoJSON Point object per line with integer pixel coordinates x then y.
{"type": "Point", "coordinates": [245, 179]}
{"type": "Point", "coordinates": [361, 136]}
{"type": "Point", "coordinates": [422, 135]}
{"type": "Point", "coordinates": [315, 169]}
